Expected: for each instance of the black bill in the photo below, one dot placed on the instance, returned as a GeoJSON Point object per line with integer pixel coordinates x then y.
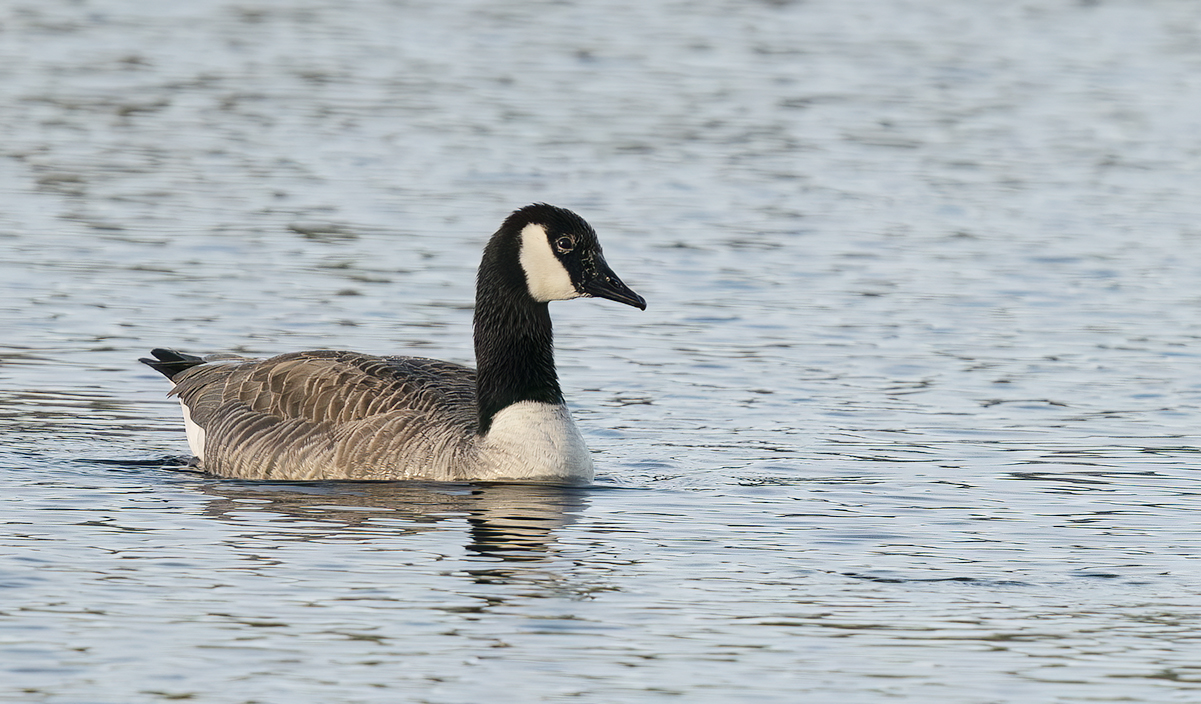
{"type": "Point", "coordinates": [606, 285]}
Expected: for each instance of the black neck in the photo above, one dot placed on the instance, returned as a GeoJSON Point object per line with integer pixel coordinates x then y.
{"type": "Point", "coordinates": [514, 344]}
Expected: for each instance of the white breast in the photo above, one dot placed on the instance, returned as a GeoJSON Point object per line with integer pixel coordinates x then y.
{"type": "Point", "coordinates": [535, 441]}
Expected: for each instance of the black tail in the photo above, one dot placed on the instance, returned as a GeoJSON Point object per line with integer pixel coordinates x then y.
{"type": "Point", "coordinates": [169, 362]}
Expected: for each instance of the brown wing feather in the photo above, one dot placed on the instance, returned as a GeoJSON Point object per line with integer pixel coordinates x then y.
{"type": "Point", "coordinates": [318, 414]}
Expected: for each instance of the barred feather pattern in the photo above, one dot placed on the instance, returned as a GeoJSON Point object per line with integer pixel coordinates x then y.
{"type": "Point", "coordinates": [335, 415]}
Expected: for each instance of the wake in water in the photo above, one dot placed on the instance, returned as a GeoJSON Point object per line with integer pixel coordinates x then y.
{"type": "Point", "coordinates": [176, 463]}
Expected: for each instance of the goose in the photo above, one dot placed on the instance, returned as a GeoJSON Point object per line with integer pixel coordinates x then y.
{"type": "Point", "coordinates": [336, 415]}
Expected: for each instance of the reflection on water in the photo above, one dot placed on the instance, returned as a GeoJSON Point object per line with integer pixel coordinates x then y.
{"type": "Point", "coordinates": [512, 522]}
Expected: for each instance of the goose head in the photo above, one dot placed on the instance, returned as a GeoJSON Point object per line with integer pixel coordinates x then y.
{"type": "Point", "coordinates": [561, 258]}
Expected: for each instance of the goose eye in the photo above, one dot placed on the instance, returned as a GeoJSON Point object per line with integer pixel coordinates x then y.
{"type": "Point", "coordinates": [564, 244]}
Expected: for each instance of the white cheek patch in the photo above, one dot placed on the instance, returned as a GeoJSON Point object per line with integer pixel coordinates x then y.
{"type": "Point", "coordinates": [544, 274]}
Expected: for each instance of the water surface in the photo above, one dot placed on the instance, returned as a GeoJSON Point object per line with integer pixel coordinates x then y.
{"type": "Point", "coordinates": [913, 413]}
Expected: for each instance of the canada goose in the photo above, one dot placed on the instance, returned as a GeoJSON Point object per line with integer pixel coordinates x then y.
{"type": "Point", "coordinates": [344, 415]}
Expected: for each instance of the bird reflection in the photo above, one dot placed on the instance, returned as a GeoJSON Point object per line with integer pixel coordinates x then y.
{"type": "Point", "coordinates": [512, 522]}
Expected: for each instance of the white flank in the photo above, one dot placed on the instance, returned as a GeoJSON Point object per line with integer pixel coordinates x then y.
{"type": "Point", "coordinates": [535, 441]}
{"type": "Point", "coordinates": [195, 433]}
{"type": "Point", "coordinates": [544, 274]}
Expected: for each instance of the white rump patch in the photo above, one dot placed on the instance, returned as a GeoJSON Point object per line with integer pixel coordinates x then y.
{"type": "Point", "coordinates": [194, 431]}
{"type": "Point", "coordinates": [544, 273]}
{"type": "Point", "coordinates": [535, 441]}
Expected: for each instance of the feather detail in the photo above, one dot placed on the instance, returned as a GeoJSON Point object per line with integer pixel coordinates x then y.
{"type": "Point", "coordinates": [329, 414]}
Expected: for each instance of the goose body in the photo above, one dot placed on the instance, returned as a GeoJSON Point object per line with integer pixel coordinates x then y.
{"type": "Point", "coordinates": [343, 415]}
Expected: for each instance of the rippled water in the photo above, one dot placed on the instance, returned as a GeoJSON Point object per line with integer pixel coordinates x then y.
{"type": "Point", "coordinates": [914, 411]}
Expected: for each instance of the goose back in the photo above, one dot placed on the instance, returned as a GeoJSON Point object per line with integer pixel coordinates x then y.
{"type": "Point", "coordinates": [316, 414]}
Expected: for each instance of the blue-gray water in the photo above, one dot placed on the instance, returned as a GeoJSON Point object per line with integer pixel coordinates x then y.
{"type": "Point", "coordinates": [914, 412]}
